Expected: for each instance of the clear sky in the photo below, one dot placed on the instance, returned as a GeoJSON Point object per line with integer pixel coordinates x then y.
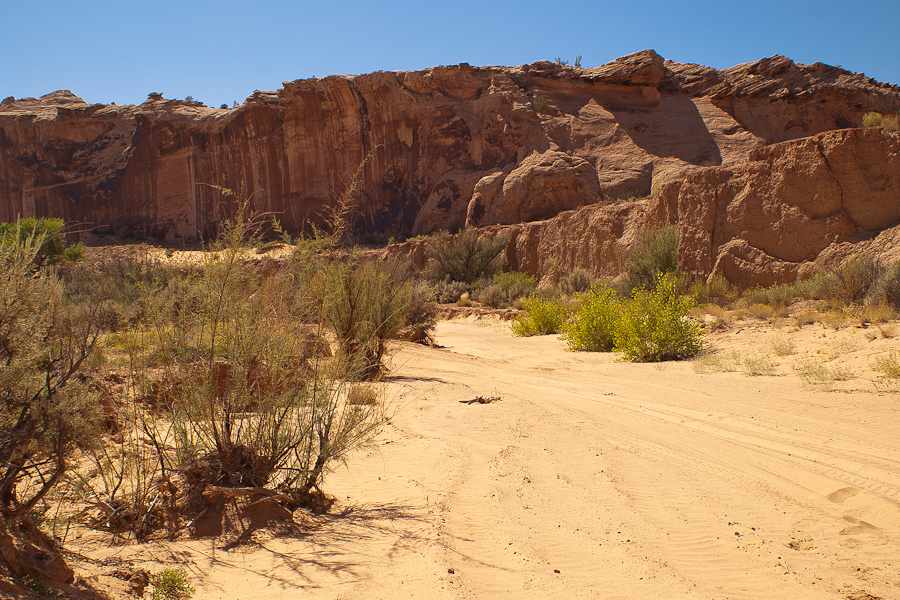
{"type": "Point", "coordinates": [219, 52]}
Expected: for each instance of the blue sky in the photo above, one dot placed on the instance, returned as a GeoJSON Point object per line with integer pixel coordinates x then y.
{"type": "Point", "coordinates": [222, 51]}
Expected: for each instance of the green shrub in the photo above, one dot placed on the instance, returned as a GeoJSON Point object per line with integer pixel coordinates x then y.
{"type": "Point", "coordinates": [515, 284]}
{"type": "Point", "coordinates": [576, 282]}
{"type": "Point", "coordinates": [655, 253]}
{"type": "Point", "coordinates": [543, 317]}
{"type": "Point", "coordinates": [717, 290]}
{"type": "Point", "coordinates": [593, 328]}
{"type": "Point", "coordinates": [853, 279]}
{"type": "Point", "coordinates": [46, 414]}
{"type": "Point", "coordinates": [170, 584]}
{"type": "Point", "coordinates": [492, 295]}
{"type": "Point", "coordinates": [887, 290]}
{"type": "Point", "coordinates": [655, 326]}
{"type": "Point", "coordinates": [886, 122]}
{"type": "Point", "coordinates": [466, 256]}
{"type": "Point", "coordinates": [366, 304]}
{"type": "Point", "coordinates": [776, 295]}
{"type": "Point", "coordinates": [53, 248]}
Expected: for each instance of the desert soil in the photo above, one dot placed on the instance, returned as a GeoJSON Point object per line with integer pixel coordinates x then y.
{"type": "Point", "coordinates": [592, 478]}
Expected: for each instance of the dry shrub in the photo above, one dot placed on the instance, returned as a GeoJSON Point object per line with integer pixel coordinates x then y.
{"type": "Point", "coordinates": [447, 291]}
{"type": "Point", "coordinates": [717, 291]}
{"type": "Point", "coordinates": [806, 317]}
{"type": "Point", "coordinates": [465, 257]}
{"type": "Point", "coordinates": [254, 399]}
{"type": "Point", "coordinates": [818, 376]}
{"type": "Point", "coordinates": [716, 361]}
{"type": "Point", "coordinates": [757, 365]}
{"type": "Point", "coordinates": [782, 346]}
{"type": "Point", "coordinates": [889, 367]}
{"type": "Point", "coordinates": [492, 295]}
{"type": "Point", "coordinates": [576, 282]}
{"type": "Point", "coordinates": [46, 413]}
{"type": "Point", "coordinates": [760, 311]}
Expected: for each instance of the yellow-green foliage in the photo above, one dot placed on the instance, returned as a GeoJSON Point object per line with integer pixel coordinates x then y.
{"type": "Point", "coordinates": [544, 317]}
{"type": "Point", "coordinates": [53, 247]}
{"type": "Point", "coordinates": [171, 584]}
{"type": "Point", "coordinates": [655, 326]}
{"type": "Point", "coordinates": [876, 119]}
{"type": "Point", "coordinates": [888, 365]}
{"type": "Point", "coordinates": [593, 328]}
{"type": "Point", "coordinates": [651, 326]}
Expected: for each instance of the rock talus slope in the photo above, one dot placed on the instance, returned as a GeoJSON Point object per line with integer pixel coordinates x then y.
{"type": "Point", "coordinates": [485, 146]}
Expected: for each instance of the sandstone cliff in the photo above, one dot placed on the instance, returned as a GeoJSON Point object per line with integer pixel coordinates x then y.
{"type": "Point", "coordinates": [461, 145]}
{"type": "Point", "coordinates": [450, 145]}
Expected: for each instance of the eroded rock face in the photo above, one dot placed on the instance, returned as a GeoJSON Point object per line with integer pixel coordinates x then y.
{"type": "Point", "coordinates": [787, 212]}
{"type": "Point", "coordinates": [447, 146]}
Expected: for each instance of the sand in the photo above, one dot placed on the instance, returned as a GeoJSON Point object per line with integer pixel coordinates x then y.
{"type": "Point", "coordinates": [592, 478]}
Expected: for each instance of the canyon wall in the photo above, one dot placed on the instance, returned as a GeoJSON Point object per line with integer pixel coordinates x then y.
{"type": "Point", "coordinates": [545, 149]}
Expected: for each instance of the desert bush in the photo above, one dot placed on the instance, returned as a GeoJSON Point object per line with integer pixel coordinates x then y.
{"type": "Point", "coordinates": [888, 365]}
{"type": "Point", "coordinates": [886, 122]}
{"type": "Point", "coordinates": [170, 584]}
{"type": "Point", "coordinates": [464, 300]}
{"type": "Point", "coordinates": [654, 254]}
{"type": "Point", "coordinates": [466, 256]}
{"type": "Point", "coordinates": [45, 412]}
{"type": "Point", "coordinates": [124, 285]}
{"type": "Point", "coordinates": [421, 315]}
{"type": "Point", "coordinates": [365, 305]}
{"type": "Point", "coordinates": [594, 326]}
{"type": "Point", "coordinates": [886, 290]}
{"type": "Point", "coordinates": [715, 361]}
{"type": "Point", "coordinates": [247, 392]}
{"type": "Point", "coordinates": [819, 376]}
{"type": "Point", "coordinates": [775, 296]}
{"type": "Point", "coordinates": [576, 282]}
{"type": "Point", "coordinates": [655, 324]}
{"type": "Point", "coordinates": [759, 311]}
{"type": "Point", "coordinates": [53, 247]}
{"type": "Point", "coordinates": [447, 291]}
{"type": "Point", "coordinates": [492, 295]}
{"type": "Point", "coordinates": [853, 279]}
{"type": "Point", "coordinates": [782, 346]}
{"type": "Point", "coordinates": [715, 291]}
{"type": "Point", "coordinates": [515, 284]}
{"type": "Point", "coordinates": [543, 317]}
{"type": "Point", "coordinates": [754, 366]}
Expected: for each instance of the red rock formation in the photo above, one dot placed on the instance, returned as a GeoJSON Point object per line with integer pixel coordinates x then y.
{"type": "Point", "coordinates": [449, 145]}
{"type": "Point", "coordinates": [788, 211]}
